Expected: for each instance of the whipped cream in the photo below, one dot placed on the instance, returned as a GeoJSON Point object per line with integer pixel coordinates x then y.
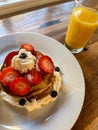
{"type": "Point", "coordinates": [23, 64]}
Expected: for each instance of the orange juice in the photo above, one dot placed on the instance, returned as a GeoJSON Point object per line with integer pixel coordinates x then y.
{"type": "Point", "coordinates": [83, 23]}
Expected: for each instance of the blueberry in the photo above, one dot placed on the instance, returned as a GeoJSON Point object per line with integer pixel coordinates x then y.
{"type": "Point", "coordinates": [54, 93]}
{"type": "Point", "coordinates": [57, 69]}
{"type": "Point", "coordinates": [23, 55]}
{"type": "Point", "coordinates": [22, 101]}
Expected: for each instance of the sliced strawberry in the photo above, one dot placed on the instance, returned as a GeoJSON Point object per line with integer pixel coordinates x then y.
{"type": "Point", "coordinates": [34, 76]}
{"type": "Point", "coordinates": [28, 47]}
{"type": "Point", "coordinates": [9, 57]}
{"type": "Point", "coordinates": [20, 86]}
{"type": "Point", "coordinates": [8, 75]}
{"type": "Point", "coordinates": [46, 64]}
{"type": "Point", "coordinates": [39, 54]}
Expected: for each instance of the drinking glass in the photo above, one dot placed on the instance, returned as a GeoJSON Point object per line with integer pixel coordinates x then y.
{"type": "Point", "coordinates": [82, 25]}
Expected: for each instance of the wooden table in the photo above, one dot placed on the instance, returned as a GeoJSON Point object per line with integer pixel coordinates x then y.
{"type": "Point", "coordinates": [53, 21]}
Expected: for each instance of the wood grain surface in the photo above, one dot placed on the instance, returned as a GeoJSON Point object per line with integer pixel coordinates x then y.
{"type": "Point", "coordinates": [53, 21]}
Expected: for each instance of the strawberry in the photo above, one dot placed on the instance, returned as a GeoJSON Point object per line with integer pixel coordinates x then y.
{"type": "Point", "coordinates": [9, 57]}
{"type": "Point", "coordinates": [20, 86]}
{"type": "Point", "coordinates": [39, 54]}
{"type": "Point", "coordinates": [28, 47]}
{"type": "Point", "coordinates": [46, 64]}
{"type": "Point", "coordinates": [34, 76]}
{"type": "Point", "coordinates": [8, 75]}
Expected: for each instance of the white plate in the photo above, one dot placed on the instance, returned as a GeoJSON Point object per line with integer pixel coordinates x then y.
{"type": "Point", "coordinates": [60, 115]}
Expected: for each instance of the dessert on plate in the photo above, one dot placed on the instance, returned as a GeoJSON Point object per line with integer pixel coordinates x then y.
{"type": "Point", "coordinates": [29, 79]}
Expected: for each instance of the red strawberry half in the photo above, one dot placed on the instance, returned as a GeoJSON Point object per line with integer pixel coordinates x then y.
{"type": "Point", "coordinates": [28, 47]}
{"type": "Point", "coordinates": [9, 57]}
{"type": "Point", "coordinates": [8, 75]}
{"type": "Point", "coordinates": [46, 64]}
{"type": "Point", "coordinates": [39, 54]}
{"type": "Point", "coordinates": [34, 76]}
{"type": "Point", "coordinates": [20, 86]}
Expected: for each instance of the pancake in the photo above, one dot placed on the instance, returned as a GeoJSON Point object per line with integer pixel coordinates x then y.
{"type": "Point", "coordinates": [35, 101]}
{"type": "Point", "coordinates": [29, 78]}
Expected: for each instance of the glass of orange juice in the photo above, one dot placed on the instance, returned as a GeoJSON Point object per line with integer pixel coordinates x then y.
{"type": "Point", "coordinates": [83, 23]}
